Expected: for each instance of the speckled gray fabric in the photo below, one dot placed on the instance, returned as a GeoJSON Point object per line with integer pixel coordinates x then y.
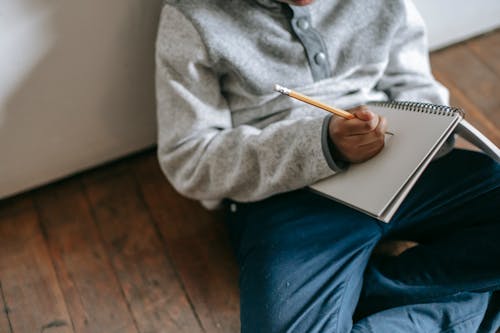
{"type": "Point", "coordinates": [223, 132]}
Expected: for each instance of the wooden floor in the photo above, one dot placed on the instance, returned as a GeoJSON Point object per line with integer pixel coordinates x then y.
{"type": "Point", "coordinates": [115, 249]}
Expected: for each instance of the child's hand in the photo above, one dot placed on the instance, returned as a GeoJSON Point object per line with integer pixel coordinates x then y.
{"type": "Point", "coordinates": [357, 140]}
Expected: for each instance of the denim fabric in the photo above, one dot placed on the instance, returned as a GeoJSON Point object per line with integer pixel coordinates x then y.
{"type": "Point", "coordinates": [306, 265]}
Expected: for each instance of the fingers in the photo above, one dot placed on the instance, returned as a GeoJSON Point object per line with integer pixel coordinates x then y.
{"type": "Point", "coordinates": [377, 135]}
{"type": "Point", "coordinates": [365, 122]}
{"type": "Point", "coordinates": [362, 113]}
{"type": "Point", "coordinates": [360, 138]}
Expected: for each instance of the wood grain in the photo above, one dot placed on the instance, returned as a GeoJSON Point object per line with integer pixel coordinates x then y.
{"type": "Point", "coordinates": [468, 76]}
{"type": "Point", "coordinates": [156, 298]}
{"type": "Point", "coordinates": [86, 276]}
{"type": "Point", "coordinates": [487, 49]}
{"type": "Point", "coordinates": [30, 289]}
{"type": "Point", "coordinates": [199, 247]}
{"type": "Point", "coordinates": [5, 326]}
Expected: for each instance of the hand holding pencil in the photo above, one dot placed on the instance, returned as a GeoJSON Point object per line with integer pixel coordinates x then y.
{"type": "Point", "coordinates": [356, 135]}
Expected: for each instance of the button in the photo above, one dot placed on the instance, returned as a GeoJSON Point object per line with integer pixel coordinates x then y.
{"type": "Point", "coordinates": [233, 208]}
{"type": "Point", "coordinates": [320, 58]}
{"type": "Point", "coordinates": [303, 24]}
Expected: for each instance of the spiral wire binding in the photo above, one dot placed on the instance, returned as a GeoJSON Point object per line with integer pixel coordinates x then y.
{"type": "Point", "coordinates": [442, 110]}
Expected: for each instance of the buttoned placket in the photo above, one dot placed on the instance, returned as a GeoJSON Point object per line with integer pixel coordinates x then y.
{"type": "Point", "coordinates": [313, 43]}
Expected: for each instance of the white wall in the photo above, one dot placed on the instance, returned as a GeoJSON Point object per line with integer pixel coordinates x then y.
{"type": "Point", "coordinates": [450, 21]}
{"type": "Point", "coordinates": [76, 79]}
{"type": "Point", "coordinates": [76, 86]}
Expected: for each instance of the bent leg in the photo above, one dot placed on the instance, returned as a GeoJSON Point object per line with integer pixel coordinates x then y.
{"type": "Point", "coordinates": [459, 313]}
{"type": "Point", "coordinates": [453, 213]}
{"type": "Point", "coordinates": [301, 259]}
{"type": "Point", "coordinates": [460, 189]}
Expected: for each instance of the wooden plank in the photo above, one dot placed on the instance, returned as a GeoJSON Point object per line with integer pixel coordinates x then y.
{"type": "Point", "coordinates": [487, 48]}
{"type": "Point", "coordinates": [29, 283]}
{"type": "Point", "coordinates": [458, 65]}
{"type": "Point", "coordinates": [150, 284]}
{"type": "Point", "coordinates": [474, 114]}
{"type": "Point", "coordinates": [5, 326]}
{"type": "Point", "coordinates": [198, 245]}
{"type": "Point", "coordinates": [91, 289]}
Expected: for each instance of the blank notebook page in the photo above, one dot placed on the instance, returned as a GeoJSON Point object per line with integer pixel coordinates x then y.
{"type": "Point", "coordinates": [372, 185]}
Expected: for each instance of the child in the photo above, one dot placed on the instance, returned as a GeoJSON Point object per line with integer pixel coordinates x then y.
{"type": "Point", "coordinates": [226, 139]}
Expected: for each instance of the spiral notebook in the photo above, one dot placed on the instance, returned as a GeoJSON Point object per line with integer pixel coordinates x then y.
{"type": "Point", "coordinates": [378, 186]}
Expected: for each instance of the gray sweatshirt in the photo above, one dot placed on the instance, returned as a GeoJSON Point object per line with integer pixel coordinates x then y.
{"type": "Point", "coordinates": [224, 133]}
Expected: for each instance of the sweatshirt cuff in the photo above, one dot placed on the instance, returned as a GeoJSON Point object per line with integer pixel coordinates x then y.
{"type": "Point", "coordinates": [328, 148]}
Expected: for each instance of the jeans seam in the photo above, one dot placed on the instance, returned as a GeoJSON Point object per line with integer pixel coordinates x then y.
{"type": "Point", "coordinates": [337, 313]}
{"type": "Point", "coordinates": [341, 303]}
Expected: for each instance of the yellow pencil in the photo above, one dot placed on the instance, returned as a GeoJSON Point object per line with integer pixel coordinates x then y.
{"type": "Point", "coordinates": [309, 100]}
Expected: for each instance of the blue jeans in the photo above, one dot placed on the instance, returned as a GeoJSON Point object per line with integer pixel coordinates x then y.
{"type": "Point", "coordinates": [306, 265]}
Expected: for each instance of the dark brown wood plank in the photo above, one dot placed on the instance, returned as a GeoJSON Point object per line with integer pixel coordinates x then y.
{"type": "Point", "coordinates": [487, 48]}
{"type": "Point", "coordinates": [474, 114]}
{"type": "Point", "coordinates": [198, 245]}
{"type": "Point", "coordinates": [5, 326]}
{"type": "Point", "coordinates": [150, 284]}
{"type": "Point", "coordinates": [460, 69]}
{"type": "Point", "coordinates": [91, 289]}
{"type": "Point", "coordinates": [30, 287]}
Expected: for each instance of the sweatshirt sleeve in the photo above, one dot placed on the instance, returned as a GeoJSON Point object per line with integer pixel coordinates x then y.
{"type": "Point", "coordinates": [408, 75]}
{"type": "Point", "coordinates": [200, 152]}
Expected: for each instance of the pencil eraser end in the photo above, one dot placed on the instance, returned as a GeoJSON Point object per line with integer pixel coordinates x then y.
{"type": "Point", "coordinates": [281, 89]}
